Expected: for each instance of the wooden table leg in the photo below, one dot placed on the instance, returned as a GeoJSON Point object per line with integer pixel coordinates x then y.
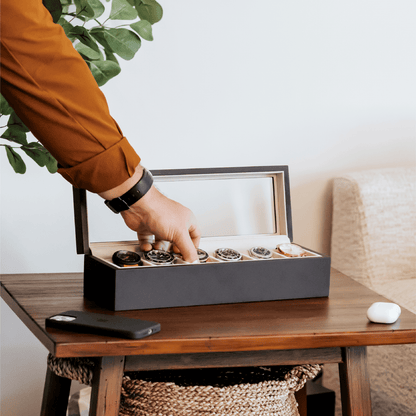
{"type": "Point", "coordinates": [301, 398]}
{"type": "Point", "coordinates": [355, 382]}
{"type": "Point", "coordinates": [106, 386]}
{"type": "Point", "coordinates": [55, 395]}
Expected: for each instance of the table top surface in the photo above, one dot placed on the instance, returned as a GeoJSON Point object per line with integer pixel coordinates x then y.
{"type": "Point", "coordinates": [337, 321]}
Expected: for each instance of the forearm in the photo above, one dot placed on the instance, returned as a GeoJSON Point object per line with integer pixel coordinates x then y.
{"type": "Point", "coordinates": [125, 186]}
{"type": "Point", "coordinates": [53, 91]}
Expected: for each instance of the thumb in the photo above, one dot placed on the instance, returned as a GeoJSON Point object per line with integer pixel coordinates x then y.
{"type": "Point", "coordinates": [186, 247]}
{"type": "Point", "coordinates": [145, 241]}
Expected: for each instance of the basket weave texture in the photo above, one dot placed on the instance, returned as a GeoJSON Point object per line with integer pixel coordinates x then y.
{"type": "Point", "coordinates": [254, 391]}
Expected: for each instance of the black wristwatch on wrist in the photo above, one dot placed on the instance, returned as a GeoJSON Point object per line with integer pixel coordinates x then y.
{"type": "Point", "coordinates": [139, 190]}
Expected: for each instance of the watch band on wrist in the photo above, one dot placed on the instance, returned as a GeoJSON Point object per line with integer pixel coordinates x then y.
{"type": "Point", "coordinates": [139, 190]}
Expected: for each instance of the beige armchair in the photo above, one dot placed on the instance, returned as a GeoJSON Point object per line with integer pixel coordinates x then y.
{"type": "Point", "coordinates": [374, 242]}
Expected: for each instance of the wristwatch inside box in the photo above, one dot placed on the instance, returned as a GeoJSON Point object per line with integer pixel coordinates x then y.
{"type": "Point", "coordinates": [246, 246]}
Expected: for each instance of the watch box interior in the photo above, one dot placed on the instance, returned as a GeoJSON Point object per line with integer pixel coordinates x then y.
{"type": "Point", "coordinates": [236, 208]}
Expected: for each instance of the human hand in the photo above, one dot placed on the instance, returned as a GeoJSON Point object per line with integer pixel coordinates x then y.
{"type": "Point", "coordinates": [156, 215]}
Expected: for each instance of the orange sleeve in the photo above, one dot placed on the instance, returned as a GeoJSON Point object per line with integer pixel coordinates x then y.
{"type": "Point", "coordinates": [52, 90]}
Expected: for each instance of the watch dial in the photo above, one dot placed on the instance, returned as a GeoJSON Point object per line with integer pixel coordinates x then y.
{"type": "Point", "coordinates": [159, 257]}
{"type": "Point", "coordinates": [291, 250]}
{"type": "Point", "coordinates": [202, 255]}
{"type": "Point", "coordinates": [227, 254]}
{"type": "Point", "coordinates": [260, 253]}
{"type": "Point", "coordinates": [127, 258]}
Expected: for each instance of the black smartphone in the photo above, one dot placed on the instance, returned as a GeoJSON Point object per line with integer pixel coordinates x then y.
{"type": "Point", "coordinates": [98, 323]}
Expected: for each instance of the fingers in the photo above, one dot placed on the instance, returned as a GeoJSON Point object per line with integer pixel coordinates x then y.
{"type": "Point", "coordinates": [162, 245]}
{"type": "Point", "coordinates": [167, 220]}
{"type": "Point", "coordinates": [195, 234]}
{"type": "Point", "coordinates": [187, 243]}
{"type": "Point", "coordinates": [145, 241]}
{"type": "Point", "coordinates": [187, 249]}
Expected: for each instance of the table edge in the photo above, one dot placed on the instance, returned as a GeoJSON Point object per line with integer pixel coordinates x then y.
{"type": "Point", "coordinates": [27, 320]}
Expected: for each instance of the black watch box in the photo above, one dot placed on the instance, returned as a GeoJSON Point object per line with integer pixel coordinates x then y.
{"type": "Point", "coordinates": [238, 208]}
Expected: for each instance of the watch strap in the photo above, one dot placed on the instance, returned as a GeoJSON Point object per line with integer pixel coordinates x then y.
{"type": "Point", "coordinates": [138, 191]}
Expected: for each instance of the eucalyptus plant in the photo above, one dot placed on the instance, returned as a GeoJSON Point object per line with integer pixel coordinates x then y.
{"type": "Point", "coordinates": [95, 33]}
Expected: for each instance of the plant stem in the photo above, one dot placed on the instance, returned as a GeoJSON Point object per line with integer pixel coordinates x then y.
{"type": "Point", "coordinates": [76, 15]}
{"type": "Point", "coordinates": [13, 147]}
{"type": "Point", "coordinates": [126, 24]}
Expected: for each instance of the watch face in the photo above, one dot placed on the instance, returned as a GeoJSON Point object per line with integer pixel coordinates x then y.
{"type": "Point", "coordinates": [127, 258]}
{"type": "Point", "coordinates": [227, 254]}
{"type": "Point", "coordinates": [260, 253]}
{"type": "Point", "coordinates": [202, 255]}
{"type": "Point", "coordinates": [291, 250]}
{"type": "Point", "coordinates": [159, 257]}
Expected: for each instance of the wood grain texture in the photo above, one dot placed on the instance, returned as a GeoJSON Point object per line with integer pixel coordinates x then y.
{"type": "Point", "coordinates": [81, 221]}
{"type": "Point", "coordinates": [232, 359]}
{"type": "Point", "coordinates": [301, 399]}
{"type": "Point", "coordinates": [106, 386]}
{"type": "Point", "coordinates": [339, 320]}
{"type": "Point", "coordinates": [55, 395]}
{"type": "Point", "coordinates": [355, 382]}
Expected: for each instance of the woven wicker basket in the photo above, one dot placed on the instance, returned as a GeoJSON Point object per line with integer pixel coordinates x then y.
{"type": "Point", "coordinates": [253, 391]}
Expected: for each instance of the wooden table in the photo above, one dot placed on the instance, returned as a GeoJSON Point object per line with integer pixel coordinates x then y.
{"type": "Point", "coordinates": [322, 330]}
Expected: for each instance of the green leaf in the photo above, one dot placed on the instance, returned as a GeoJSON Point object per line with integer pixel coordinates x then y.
{"type": "Point", "coordinates": [109, 56]}
{"type": "Point", "coordinates": [122, 10]}
{"type": "Point", "coordinates": [16, 130]}
{"type": "Point", "coordinates": [15, 134]}
{"type": "Point", "coordinates": [98, 34]}
{"type": "Point", "coordinates": [89, 8]}
{"type": "Point", "coordinates": [37, 145]}
{"type": "Point", "coordinates": [15, 160]}
{"type": "Point", "coordinates": [66, 4]}
{"type": "Point", "coordinates": [123, 42]}
{"type": "Point", "coordinates": [54, 7]}
{"type": "Point", "coordinates": [88, 52]}
{"type": "Point", "coordinates": [103, 71]}
{"type": "Point", "coordinates": [83, 36]}
{"type": "Point", "coordinates": [77, 16]}
{"type": "Point", "coordinates": [37, 152]}
{"type": "Point", "coordinates": [149, 10]}
{"type": "Point", "coordinates": [97, 6]}
{"type": "Point", "coordinates": [14, 121]}
{"type": "Point", "coordinates": [5, 108]}
{"type": "Point", "coordinates": [51, 163]}
{"type": "Point", "coordinates": [143, 28]}
{"type": "Point", "coordinates": [66, 26]}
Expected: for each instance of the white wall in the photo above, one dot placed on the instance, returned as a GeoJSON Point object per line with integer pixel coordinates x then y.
{"type": "Point", "coordinates": [324, 87]}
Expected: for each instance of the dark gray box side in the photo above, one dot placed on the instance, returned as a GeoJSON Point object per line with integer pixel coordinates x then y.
{"type": "Point", "coordinates": [202, 284]}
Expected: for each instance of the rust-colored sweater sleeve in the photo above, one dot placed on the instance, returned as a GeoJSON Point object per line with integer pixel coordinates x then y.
{"type": "Point", "coordinates": [52, 90]}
